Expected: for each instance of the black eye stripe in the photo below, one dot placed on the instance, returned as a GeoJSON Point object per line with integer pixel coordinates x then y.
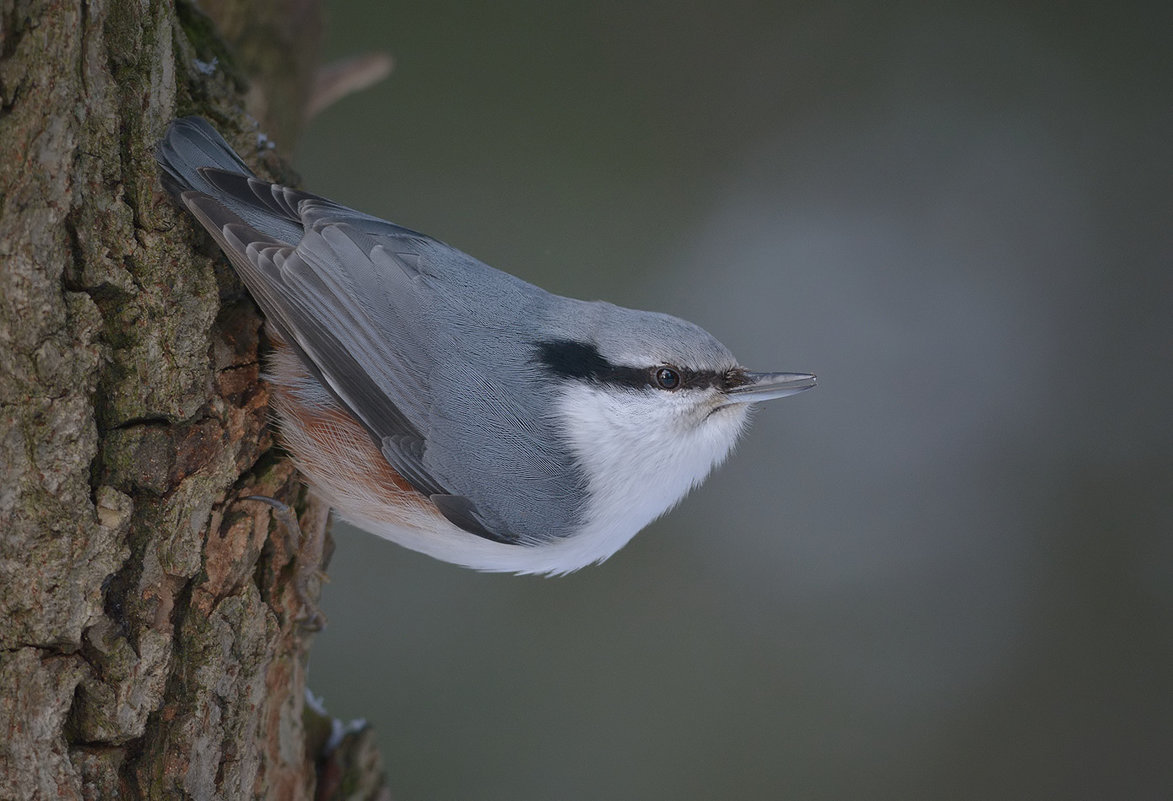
{"type": "Point", "coordinates": [701, 379]}
{"type": "Point", "coordinates": [582, 361]}
{"type": "Point", "coordinates": [566, 358]}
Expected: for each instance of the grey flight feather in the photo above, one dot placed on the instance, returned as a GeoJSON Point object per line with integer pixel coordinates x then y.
{"type": "Point", "coordinates": [398, 327]}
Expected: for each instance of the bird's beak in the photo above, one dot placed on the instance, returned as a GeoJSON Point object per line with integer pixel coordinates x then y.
{"type": "Point", "coordinates": [767, 386]}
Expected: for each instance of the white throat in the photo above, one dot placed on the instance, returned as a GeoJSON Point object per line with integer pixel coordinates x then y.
{"type": "Point", "coordinates": [642, 453]}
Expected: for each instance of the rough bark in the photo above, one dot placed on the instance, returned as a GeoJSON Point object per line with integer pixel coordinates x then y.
{"type": "Point", "coordinates": [149, 636]}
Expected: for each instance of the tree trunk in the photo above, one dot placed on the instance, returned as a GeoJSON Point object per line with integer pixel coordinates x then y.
{"type": "Point", "coordinates": [149, 637]}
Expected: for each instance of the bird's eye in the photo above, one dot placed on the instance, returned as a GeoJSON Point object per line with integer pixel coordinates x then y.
{"type": "Point", "coordinates": [668, 378]}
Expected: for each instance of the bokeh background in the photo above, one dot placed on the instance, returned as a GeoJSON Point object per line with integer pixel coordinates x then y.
{"type": "Point", "coordinates": [947, 572]}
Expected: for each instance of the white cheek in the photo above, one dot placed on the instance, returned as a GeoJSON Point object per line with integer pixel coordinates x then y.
{"type": "Point", "coordinates": [643, 453]}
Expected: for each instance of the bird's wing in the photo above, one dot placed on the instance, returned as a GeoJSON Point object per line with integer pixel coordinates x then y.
{"type": "Point", "coordinates": [333, 297]}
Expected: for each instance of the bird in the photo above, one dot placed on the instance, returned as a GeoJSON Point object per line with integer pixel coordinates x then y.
{"type": "Point", "coordinates": [453, 408]}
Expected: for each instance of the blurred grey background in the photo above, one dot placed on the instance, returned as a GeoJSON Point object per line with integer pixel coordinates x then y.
{"type": "Point", "coordinates": [947, 572]}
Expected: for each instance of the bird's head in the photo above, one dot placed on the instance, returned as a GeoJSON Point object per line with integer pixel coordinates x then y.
{"type": "Point", "coordinates": [649, 404]}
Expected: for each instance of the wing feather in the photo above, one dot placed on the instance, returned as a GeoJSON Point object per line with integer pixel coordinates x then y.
{"type": "Point", "coordinates": [300, 301]}
{"type": "Point", "coordinates": [423, 344]}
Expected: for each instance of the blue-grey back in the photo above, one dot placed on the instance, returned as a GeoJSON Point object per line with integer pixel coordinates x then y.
{"type": "Point", "coordinates": [432, 350]}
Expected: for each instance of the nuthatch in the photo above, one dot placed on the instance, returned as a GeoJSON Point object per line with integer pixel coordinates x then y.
{"type": "Point", "coordinates": [453, 408]}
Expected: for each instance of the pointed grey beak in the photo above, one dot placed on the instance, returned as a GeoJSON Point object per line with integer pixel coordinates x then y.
{"type": "Point", "coordinates": [767, 386]}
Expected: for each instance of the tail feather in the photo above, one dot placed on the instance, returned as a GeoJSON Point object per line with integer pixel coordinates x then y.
{"type": "Point", "coordinates": [196, 159]}
{"type": "Point", "coordinates": [192, 143]}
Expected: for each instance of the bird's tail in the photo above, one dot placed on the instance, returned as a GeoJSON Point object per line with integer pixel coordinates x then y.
{"type": "Point", "coordinates": [200, 168]}
{"type": "Point", "coordinates": [192, 143]}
